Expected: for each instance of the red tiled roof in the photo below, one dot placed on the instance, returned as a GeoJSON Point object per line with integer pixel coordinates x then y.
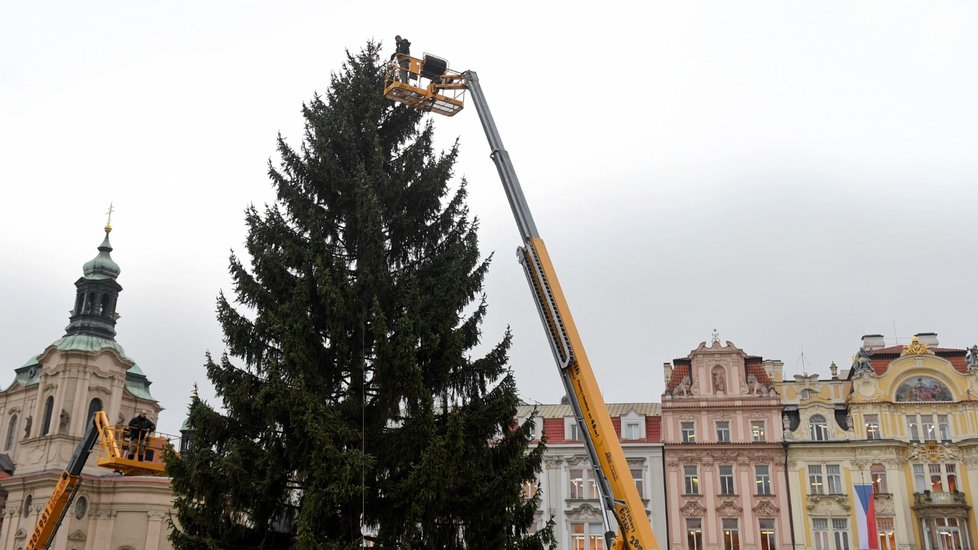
{"type": "Point", "coordinates": [680, 371]}
{"type": "Point", "coordinates": [653, 429]}
{"type": "Point", "coordinates": [553, 429]}
{"type": "Point", "coordinates": [881, 358]}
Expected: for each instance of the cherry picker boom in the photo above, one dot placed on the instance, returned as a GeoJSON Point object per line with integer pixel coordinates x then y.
{"type": "Point", "coordinates": [115, 453]}
{"type": "Point", "coordinates": [444, 94]}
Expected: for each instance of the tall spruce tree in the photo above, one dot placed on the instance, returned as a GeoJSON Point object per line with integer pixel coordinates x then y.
{"type": "Point", "coordinates": [351, 398]}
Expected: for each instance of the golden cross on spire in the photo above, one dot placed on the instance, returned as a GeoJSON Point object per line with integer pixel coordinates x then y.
{"type": "Point", "coordinates": [108, 223]}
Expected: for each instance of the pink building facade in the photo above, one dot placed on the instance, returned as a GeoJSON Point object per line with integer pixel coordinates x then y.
{"type": "Point", "coordinates": [723, 452]}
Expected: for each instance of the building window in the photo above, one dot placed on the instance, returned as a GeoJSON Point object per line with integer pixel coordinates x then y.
{"type": "Point", "coordinates": [913, 429]}
{"type": "Point", "coordinates": [941, 477]}
{"type": "Point", "coordinates": [48, 414]}
{"type": "Point", "coordinates": [633, 431]}
{"type": "Point", "coordinates": [637, 475]}
{"type": "Point", "coordinates": [731, 534]}
{"type": "Point", "coordinates": [587, 536]}
{"type": "Point", "coordinates": [688, 431]}
{"type": "Point", "coordinates": [582, 483]}
{"type": "Point", "coordinates": [572, 430]}
{"type": "Point", "coordinates": [762, 479]}
{"type": "Point", "coordinates": [884, 526]}
{"type": "Point", "coordinates": [694, 534]}
{"type": "Point", "coordinates": [691, 480]}
{"type": "Point", "coordinates": [723, 431]}
{"type": "Point", "coordinates": [768, 541]}
{"type": "Point", "coordinates": [944, 427]}
{"type": "Point", "coordinates": [757, 430]}
{"type": "Point", "coordinates": [834, 476]}
{"type": "Point", "coordinates": [946, 534]}
{"type": "Point", "coordinates": [818, 429]}
{"type": "Point", "coordinates": [726, 480]}
{"type": "Point", "coordinates": [11, 433]}
{"type": "Point", "coordinates": [81, 507]}
{"type": "Point", "coordinates": [816, 484]}
{"type": "Point", "coordinates": [928, 427]}
{"type": "Point", "coordinates": [919, 480]}
{"type": "Point", "coordinates": [820, 530]}
{"type": "Point", "coordinates": [840, 532]}
{"type": "Point", "coordinates": [94, 406]}
{"type": "Point", "coordinates": [872, 426]}
{"type": "Point", "coordinates": [878, 473]}
{"type": "Point", "coordinates": [530, 489]}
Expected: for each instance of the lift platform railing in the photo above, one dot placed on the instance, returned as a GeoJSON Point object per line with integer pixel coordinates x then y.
{"type": "Point", "coordinates": [129, 452]}
{"type": "Point", "coordinates": [426, 84]}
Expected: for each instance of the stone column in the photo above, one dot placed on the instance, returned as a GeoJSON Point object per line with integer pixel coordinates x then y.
{"type": "Point", "coordinates": [59, 396]}
{"type": "Point", "coordinates": [78, 417]}
{"type": "Point", "coordinates": [153, 529]}
{"type": "Point", "coordinates": [103, 525]}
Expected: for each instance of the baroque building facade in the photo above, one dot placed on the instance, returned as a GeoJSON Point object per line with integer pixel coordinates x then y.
{"type": "Point", "coordinates": [915, 420]}
{"type": "Point", "coordinates": [45, 412]}
{"type": "Point", "coordinates": [567, 484]}
{"type": "Point", "coordinates": [724, 458]}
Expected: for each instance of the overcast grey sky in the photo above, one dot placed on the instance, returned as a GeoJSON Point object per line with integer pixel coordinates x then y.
{"type": "Point", "coordinates": [793, 174]}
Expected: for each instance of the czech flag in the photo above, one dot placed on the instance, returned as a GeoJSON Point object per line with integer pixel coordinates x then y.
{"type": "Point", "coordinates": [866, 517]}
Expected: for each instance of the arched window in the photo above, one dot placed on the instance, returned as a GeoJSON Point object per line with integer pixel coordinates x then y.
{"type": "Point", "coordinates": [878, 471]}
{"type": "Point", "coordinates": [93, 407]}
{"type": "Point", "coordinates": [28, 503]}
{"type": "Point", "coordinates": [79, 302]}
{"type": "Point", "coordinates": [818, 430]}
{"type": "Point", "coordinates": [11, 433]}
{"type": "Point", "coordinates": [48, 412]}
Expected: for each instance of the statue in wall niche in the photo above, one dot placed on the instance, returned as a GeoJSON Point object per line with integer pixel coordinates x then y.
{"type": "Point", "coordinates": [27, 426]}
{"type": "Point", "coordinates": [65, 419]}
{"type": "Point", "coordinates": [718, 384]}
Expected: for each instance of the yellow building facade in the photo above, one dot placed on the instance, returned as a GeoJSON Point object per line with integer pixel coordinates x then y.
{"type": "Point", "coordinates": [903, 419]}
{"type": "Point", "coordinates": [915, 410]}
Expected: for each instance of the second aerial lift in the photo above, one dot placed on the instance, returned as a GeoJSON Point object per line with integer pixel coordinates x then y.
{"type": "Point", "coordinates": [432, 87]}
{"type": "Point", "coordinates": [124, 455]}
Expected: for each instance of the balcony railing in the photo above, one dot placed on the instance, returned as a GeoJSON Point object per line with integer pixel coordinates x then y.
{"type": "Point", "coordinates": [929, 498]}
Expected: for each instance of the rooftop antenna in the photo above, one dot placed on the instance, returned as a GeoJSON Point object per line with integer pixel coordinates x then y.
{"type": "Point", "coordinates": [804, 362]}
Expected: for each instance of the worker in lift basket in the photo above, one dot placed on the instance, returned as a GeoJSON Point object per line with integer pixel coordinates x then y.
{"type": "Point", "coordinates": [403, 47]}
{"type": "Point", "coordinates": [139, 429]}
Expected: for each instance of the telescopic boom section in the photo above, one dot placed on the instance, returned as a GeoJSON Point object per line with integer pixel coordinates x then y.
{"type": "Point", "coordinates": [428, 85]}
{"type": "Point", "coordinates": [618, 491]}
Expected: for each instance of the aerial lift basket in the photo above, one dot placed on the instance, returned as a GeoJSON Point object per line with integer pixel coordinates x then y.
{"type": "Point", "coordinates": [426, 84]}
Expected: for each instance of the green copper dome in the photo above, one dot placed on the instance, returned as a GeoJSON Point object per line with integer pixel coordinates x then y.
{"type": "Point", "coordinates": [102, 266]}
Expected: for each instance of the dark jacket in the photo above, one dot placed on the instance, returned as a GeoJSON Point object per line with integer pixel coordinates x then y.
{"type": "Point", "coordinates": [140, 427]}
{"type": "Point", "coordinates": [402, 47]}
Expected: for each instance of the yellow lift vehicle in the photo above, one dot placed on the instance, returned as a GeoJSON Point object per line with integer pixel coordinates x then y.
{"type": "Point", "coordinates": [117, 451]}
{"type": "Point", "coordinates": [428, 85]}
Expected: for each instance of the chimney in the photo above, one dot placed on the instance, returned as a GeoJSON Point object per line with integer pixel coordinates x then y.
{"type": "Point", "coordinates": [927, 338]}
{"type": "Point", "coordinates": [774, 369]}
{"type": "Point", "coordinates": [667, 372]}
{"type": "Point", "coordinates": [873, 342]}
{"type": "Point", "coordinates": [835, 370]}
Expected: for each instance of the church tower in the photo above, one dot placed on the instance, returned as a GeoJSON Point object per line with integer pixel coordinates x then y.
{"type": "Point", "coordinates": [45, 412]}
{"type": "Point", "coordinates": [96, 295]}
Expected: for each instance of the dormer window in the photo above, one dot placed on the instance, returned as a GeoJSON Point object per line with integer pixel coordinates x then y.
{"type": "Point", "coordinates": [818, 429]}
{"type": "Point", "coordinates": [572, 430]}
{"type": "Point", "coordinates": [632, 427]}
